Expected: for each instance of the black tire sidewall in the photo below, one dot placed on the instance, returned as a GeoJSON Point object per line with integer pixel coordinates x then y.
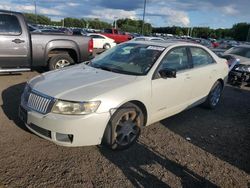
{"type": "Point", "coordinates": [54, 59]}
{"type": "Point", "coordinates": [208, 103]}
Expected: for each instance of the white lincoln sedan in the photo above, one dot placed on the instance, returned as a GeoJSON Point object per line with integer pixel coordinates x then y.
{"type": "Point", "coordinates": [112, 97]}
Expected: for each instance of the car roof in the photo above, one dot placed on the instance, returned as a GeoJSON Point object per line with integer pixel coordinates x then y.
{"type": "Point", "coordinates": [243, 45]}
{"type": "Point", "coordinates": [147, 37]}
{"type": "Point", "coordinates": [166, 43]}
{"type": "Point", "coordinates": [97, 34]}
{"type": "Point", "coordinates": [9, 11]}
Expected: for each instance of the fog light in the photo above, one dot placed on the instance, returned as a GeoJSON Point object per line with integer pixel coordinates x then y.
{"type": "Point", "coordinates": [64, 137]}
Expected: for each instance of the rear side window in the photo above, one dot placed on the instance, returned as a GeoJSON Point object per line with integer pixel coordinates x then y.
{"type": "Point", "coordinates": [96, 36]}
{"type": "Point", "coordinates": [9, 25]}
{"type": "Point", "coordinates": [200, 57]}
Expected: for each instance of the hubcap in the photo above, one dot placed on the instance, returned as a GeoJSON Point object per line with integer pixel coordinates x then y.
{"type": "Point", "coordinates": [62, 63]}
{"type": "Point", "coordinates": [107, 46]}
{"type": "Point", "coordinates": [127, 128]}
{"type": "Point", "coordinates": [215, 95]}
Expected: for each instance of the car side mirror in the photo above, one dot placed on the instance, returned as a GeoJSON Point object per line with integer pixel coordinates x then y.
{"type": "Point", "coordinates": [168, 73]}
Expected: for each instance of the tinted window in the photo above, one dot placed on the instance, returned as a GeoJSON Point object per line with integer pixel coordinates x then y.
{"type": "Point", "coordinates": [176, 59]}
{"type": "Point", "coordinates": [9, 25]}
{"type": "Point", "coordinates": [96, 36]}
{"type": "Point", "coordinates": [200, 57]}
{"type": "Point", "coordinates": [107, 30]}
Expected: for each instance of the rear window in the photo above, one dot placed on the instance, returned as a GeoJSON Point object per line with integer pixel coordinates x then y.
{"type": "Point", "coordinates": [9, 25]}
{"type": "Point", "coordinates": [241, 51]}
{"type": "Point", "coordinates": [107, 30]}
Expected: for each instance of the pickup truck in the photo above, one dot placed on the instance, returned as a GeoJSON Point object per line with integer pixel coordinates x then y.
{"type": "Point", "coordinates": [22, 50]}
{"type": "Point", "coordinates": [117, 35]}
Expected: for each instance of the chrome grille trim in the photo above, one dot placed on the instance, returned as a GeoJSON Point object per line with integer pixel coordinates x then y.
{"type": "Point", "coordinates": [39, 102]}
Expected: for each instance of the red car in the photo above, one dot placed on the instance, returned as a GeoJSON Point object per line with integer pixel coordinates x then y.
{"type": "Point", "coordinates": [117, 35]}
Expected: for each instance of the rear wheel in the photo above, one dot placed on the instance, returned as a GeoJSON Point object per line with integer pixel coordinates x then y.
{"type": "Point", "coordinates": [59, 61]}
{"type": "Point", "coordinates": [124, 127]}
{"type": "Point", "coordinates": [214, 96]}
{"type": "Point", "coordinates": [106, 46]}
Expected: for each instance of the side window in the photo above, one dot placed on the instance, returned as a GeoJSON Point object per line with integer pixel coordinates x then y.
{"type": "Point", "coordinates": [176, 59]}
{"type": "Point", "coordinates": [9, 25]}
{"type": "Point", "coordinates": [95, 36]}
{"type": "Point", "coordinates": [115, 31]}
{"type": "Point", "coordinates": [200, 57]}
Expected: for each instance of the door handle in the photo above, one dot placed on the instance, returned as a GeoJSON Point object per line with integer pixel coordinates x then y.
{"type": "Point", "coordinates": [18, 41]}
{"type": "Point", "coordinates": [188, 76]}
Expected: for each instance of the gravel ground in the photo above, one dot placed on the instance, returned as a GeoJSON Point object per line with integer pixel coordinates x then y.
{"type": "Point", "coordinates": [196, 148]}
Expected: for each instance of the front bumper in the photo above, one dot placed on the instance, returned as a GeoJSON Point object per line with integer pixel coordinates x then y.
{"type": "Point", "coordinates": [66, 130]}
{"type": "Point", "coordinates": [238, 77]}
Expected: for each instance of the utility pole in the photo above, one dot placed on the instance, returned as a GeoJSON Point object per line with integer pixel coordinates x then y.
{"type": "Point", "coordinates": [35, 10]}
{"type": "Point", "coordinates": [144, 9]}
{"type": "Point", "coordinates": [248, 34]}
{"type": "Point", "coordinates": [115, 22]}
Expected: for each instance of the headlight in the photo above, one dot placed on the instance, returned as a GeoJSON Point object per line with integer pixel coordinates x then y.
{"type": "Point", "coordinates": [75, 108]}
{"type": "Point", "coordinates": [242, 68]}
{"type": "Point", "coordinates": [25, 95]}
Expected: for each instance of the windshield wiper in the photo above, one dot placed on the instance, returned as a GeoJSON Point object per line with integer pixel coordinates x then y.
{"type": "Point", "coordinates": [106, 68]}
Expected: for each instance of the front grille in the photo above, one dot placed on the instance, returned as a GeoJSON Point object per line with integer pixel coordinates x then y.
{"type": "Point", "coordinates": [40, 130]}
{"type": "Point", "coordinates": [39, 103]}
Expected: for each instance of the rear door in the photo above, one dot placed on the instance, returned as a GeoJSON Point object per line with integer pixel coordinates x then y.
{"type": "Point", "coordinates": [14, 42]}
{"type": "Point", "coordinates": [204, 72]}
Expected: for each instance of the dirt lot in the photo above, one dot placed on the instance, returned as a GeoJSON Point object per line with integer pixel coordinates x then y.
{"type": "Point", "coordinates": [197, 148]}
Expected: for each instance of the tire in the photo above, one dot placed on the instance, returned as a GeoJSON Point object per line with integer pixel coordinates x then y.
{"type": "Point", "coordinates": [214, 96]}
{"type": "Point", "coordinates": [106, 46]}
{"type": "Point", "coordinates": [124, 127]}
{"type": "Point", "coordinates": [59, 61]}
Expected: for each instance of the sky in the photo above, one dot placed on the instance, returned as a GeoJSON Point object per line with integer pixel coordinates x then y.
{"type": "Point", "coordinates": [160, 13]}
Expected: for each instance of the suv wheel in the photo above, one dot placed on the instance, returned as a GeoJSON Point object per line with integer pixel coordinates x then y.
{"type": "Point", "coordinates": [60, 61]}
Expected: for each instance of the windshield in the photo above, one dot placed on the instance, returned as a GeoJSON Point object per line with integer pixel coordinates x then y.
{"type": "Point", "coordinates": [128, 58]}
{"type": "Point", "coordinates": [241, 51]}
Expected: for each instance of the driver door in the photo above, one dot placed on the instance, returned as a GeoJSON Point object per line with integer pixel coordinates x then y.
{"type": "Point", "coordinates": [172, 95]}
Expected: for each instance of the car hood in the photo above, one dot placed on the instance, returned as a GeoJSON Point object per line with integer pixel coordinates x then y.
{"type": "Point", "coordinates": [79, 82]}
{"type": "Point", "coordinates": [243, 60]}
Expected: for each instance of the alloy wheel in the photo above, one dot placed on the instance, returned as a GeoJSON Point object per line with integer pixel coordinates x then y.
{"type": "Point", "coordinates": [127, 128]}
{"type": "Point", "coordinates": [62, 63]}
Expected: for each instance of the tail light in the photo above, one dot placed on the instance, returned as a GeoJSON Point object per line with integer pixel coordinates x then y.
{"type": "Point", "coordinates": [91, 46]}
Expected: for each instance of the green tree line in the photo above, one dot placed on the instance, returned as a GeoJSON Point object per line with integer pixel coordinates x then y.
{"type": "Point", "coordinates": [127, 25]}
{"type": "Point", "coordinates": [239, 31]}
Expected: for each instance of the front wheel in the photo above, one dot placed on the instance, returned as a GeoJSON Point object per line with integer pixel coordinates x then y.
{"type": "Point", "coordinates": [214, 95]}
{"type": "Point", "coordinates": [124, 127]}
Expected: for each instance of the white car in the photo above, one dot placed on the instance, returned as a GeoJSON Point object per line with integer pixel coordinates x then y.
{"type": "Point", "coordinates": [110, 98]}
{"type": "Point", "coordinates": [148, 39]}
{"type": "Point", "coordinates": [101, 41]}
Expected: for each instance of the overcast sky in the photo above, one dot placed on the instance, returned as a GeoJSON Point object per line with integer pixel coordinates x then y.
{"type": "Point", "coordinates": [212, 13]}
